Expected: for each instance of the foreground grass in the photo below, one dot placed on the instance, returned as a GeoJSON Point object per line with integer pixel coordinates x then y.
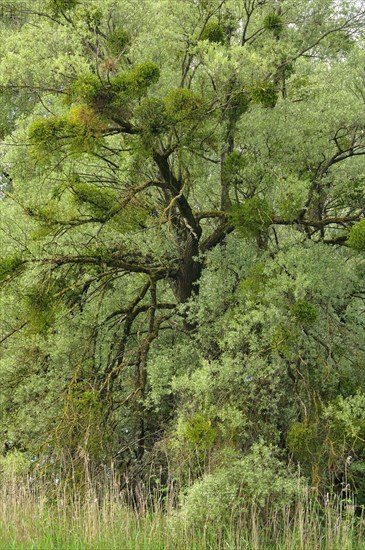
{"type": "Point", "coordinates": [30, 520]}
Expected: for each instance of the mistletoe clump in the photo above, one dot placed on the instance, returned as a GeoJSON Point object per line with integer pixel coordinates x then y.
{"type": "Point", "coordinates": [40, 308]}
{"type": "Point", "coordinates": [356, 239]}
{"type": "Point", "coordinates": [57, 7]}
{"type": "Point", "coordinates": [44, 132]}
{"type": "Point", "coordinates": [80, 126]}
{"type": "Point", "coordinates": [274, 23]}
{"type": "Point", "coordinates": [86, 88]}
{"type": "Point", "coordinates": [118, 41]}
{"type": "Point", "coordinates": [135, 82]}
{"type": "Point", "coordinates": [102, 202]}
{"type": "Point", "coordinates": [199, 432]}
{"type": "Point", "coordinates": [253, 217]}
{"type": "Point", "coordinates": [151, 116]}
{"type": "Point", "coordinates": [266, 94]}
{"type": "Point", "coordinates": [182, 104]}
{"type": "Point", "coordinates": [10, 265]}
{"type": "Point", "coordinates": [213, 32]}
{"type": "Point", "coordinates": [304, 312]}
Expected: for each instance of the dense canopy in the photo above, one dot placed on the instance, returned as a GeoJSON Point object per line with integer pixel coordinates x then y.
{"type": "Point", "coordinates": [182, 240]}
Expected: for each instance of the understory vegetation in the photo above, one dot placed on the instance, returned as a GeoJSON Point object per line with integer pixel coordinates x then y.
{"type": "Point", "coordinates": [182, 266]}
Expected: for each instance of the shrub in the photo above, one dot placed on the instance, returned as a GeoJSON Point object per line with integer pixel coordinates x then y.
{"type": "Point", "coordinates": [252, 217]}
{"type": "Point", "coordinates": [274, 23]}
{"type": "Point", "coordinates": [118, 41]}
{"type": "Point", "coordinates": [213, 32]}
{"type": "Point", "coordinates": [10, 265]}
{"type": "Point", "coordinates": [304, 312]}
{"type": "Point", "coordinates": [356, 238]}
{"type": "Point", "coordinates": [256, 479]}
{"type": "Point", "coordinates": [182, 104]}
{"type": "Point", "coordinates": [87, 88]}
{"type": "Point", "coordinates": [265, 93]}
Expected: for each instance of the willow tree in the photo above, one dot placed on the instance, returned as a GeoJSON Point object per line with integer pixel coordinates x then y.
{"type": "Point", "coordinates": [183, 229]}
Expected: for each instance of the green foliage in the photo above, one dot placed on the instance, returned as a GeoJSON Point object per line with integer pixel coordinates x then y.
{"type": "Point", "coordinates": [135, 82]}
{"type": "Point", "coordinates": [10, 265]}
{"type": "Point", "coordinates": [13, 467]}
{"type": "Point", "coordinates": [103, 202]}
{"type": "Point", "coordinates": [81, 126]}
{"type": "Point", "coordinates": [356, 238]}
{"type": "Point", "coordinates": [258, 478]}
{"type": "Point", "coordinates": [60, 6]}
{"type": "Point", "coordinates": [327, 441]}
{"type": "Point", "coordinates": [266, 94]}
{"type": "Point", "coordinates": [151, 116]}
{"type": "Point", "coordinates": [274, 23]}
{"type": "Point", "coordinates": [213, 32]}
{"type": "Point", "coordinates": [199, 432]}
{"type": "Point", "coordinates": [304, 442]}
{"type": "Point", "coordinates": [239, 103]}
{"type": "Point", "coordinates": [40, 309]}
{"type": "Point", "coordinates": [252, 217]}
{"type": "Point", "coordinates": [101, 253]}
{"type": "Point", "coordinates": [304, 312]}
{"type": "Point", "coordinates": [118, 41]}
{"type": "Point", "coordinates": [254, 283]}
{"type": "Point", "coordinates": [86, 88]}
{"type": "Point", "coordinates": [156, 334]}
{"type": "Point", "coordinates": [183, 104]}
{"type": "Point", "coordinates": [45, 132]}
{"type": "Point", "coordinates": [233, 167]}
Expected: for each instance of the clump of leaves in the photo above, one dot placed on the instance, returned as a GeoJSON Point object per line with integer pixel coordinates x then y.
{"type": "Point", "coordinates": [57, 7]}
{"type": "Point", "coordinates": [92, 15]}
{"type": "Point", "coordinates": [151, 115]}
{"type": "Point", "coordinates": [274, 23]}
{"type": "Point", "coordinates": [39, 304]}
{"type": "Point", "coordinates": [322, 444]}
{"type": "Point", "coordinates": [252, 217]}
{"type": "Point", "coordinates": [135, 82]}
{"type": "Point", "coordinates": [239, 103]}
{"type": "Point", "coordinates": [182, 104]}
{"type": "Point", "coordinates": [86, 88]}
{"type": "Point", "coordinates": [258, 477]}
{"type": "Point", "coordinates": [118, 41]}
{"type": "Point", "coordinates": [213, 32]}
{"type": "Point", "coordinates": [199, 432]}
{"type": "Point", "coordinates": [266, 94]}
{"type": "Point", "coordinates": [84, 125]}
{"type": "Point", "coordinates": [46, 131]}
{"type": "Point", "coordinates": [81, 425]}
{"type": "Point", "coordinates": [10, 265]}
{"type": "Point", "coordinates": [304, 312]}
{"type": "Point", "coordinates": [234, 164]}
{"type": "Point", "coordinates": [255, 282]}
{"type": "Point", "coordinates": [101, 253]}
{"type": "Point", "coordinates": [356, 238]}
{"type": "Point", "coordinates": [102, 202]}
{"type": "Point", "coordinates": [81, 125]}
{"type": "Point", "coordinates": [303, 440]}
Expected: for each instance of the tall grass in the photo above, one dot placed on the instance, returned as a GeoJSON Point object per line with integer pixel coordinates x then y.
{"type": "Point", "coordinates": [40, 517]}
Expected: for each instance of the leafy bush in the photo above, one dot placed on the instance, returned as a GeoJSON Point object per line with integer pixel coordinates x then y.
{"type": "Point", "coordinates": [118, 41]}
{"type": "Point", "coordinates": [266, 94]}
{"type": "Point", "coordinates": [274, 23]}
{"type": "Point", "coordinates": [257, 478]}
{"type": "Point", "coordinates": [304, 312]}
{"type": "Point", "coordinates": [356, 238]}
{"type": "Point", "coordinates": [182, 104]}
{"type": "Point", "coordinates": [213, 32]}
{"type": "Point", "coordinates": [252, 217]}
{"type": "Point", "coordinates": [9, 265]}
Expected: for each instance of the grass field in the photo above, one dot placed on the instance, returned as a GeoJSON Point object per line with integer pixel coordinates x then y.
{"type": "Point", "coordinates": [44, 520]}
